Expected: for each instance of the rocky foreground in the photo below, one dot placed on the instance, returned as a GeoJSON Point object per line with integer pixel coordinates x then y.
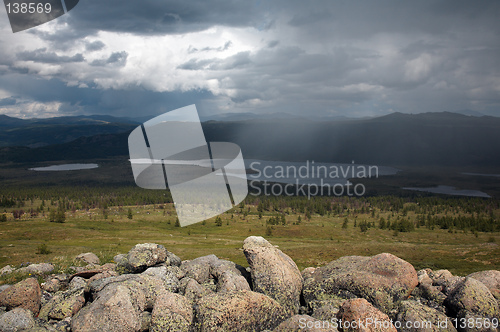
{"type": "Point", "coordinates": [151, 289]}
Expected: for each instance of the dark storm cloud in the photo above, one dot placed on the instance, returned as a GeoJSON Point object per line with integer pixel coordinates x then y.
{"type": "Point", "coordinates": [90, 100]}
{"type": "Point", "coordinates": [348, 56]}
{"type": "Point", "coordinates": [116, 58]}
{"type": "Point", "coordinates": [8, 101]}
{"type": "Point", "coordinates": [153, 17]}
{"type": "Point", "coordinates": [94, 46]}
{"type": "Point", "coordinates": [41, 55]}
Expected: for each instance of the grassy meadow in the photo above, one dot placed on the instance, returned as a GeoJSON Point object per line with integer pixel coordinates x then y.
{"type": "Point", "coordinates": [312, 242]}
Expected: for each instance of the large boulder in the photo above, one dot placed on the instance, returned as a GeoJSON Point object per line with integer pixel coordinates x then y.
{"type": "Point", "coordinates": [115, 309]}
{"type": "Point", "coordinates": [414, 316]}
{"type": "Point", "coordinates": [18, 319]}
{"type": "Point", "coordinates": [25, 294]}
{"type": "Point", "coordinates": [299, 323]}
{"type": "Point", "coordinates": [171, 312]}
{"type": "Point", "coordinates": [238, 311]}
{"type": "Point", "coordinates": [360, 315]}
{"type": "Point", "coordinates": [383, 280]}
{"type": "Point", "coordinates": [471, 298]}
{"type": "Point", "coordinates": [88, 258]}
{"type": "Point", "coordinates": [273, 273]}
{"type": "Point", "coordinates": [490, 279]}
{"type": "Point", "coordinates": [140, 285]}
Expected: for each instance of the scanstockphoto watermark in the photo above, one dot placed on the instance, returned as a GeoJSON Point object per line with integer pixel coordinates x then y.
{"type": "Point", "coordinates": [309, 179]}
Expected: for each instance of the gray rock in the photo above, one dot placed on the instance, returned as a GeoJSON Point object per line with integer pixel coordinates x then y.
{"type": "Point", "coordinates": [16, 320]}
{"type": "Point", "coordinates": [144, 255]}
{"type": "Point", "coordinates": [168, 276]}
{"type": "Point", "coordinates": [273, 273]}
{"type": "Point", "coordinates": [199, 268]}
{"type": "Point", "coordinates": [383, 280]}
{"type": "Point", "coordinates": [25, 294]}
{"type": "Point", "coordinates": [63, 305]}
{"type": "Point", "coordinates": [89, 258]}
{"type": "Point", "coordinates": [446, 280]}
{"type": "Point", "coordinates": [4, 287]}
{"type": "Point", "coordinates": [115, 309]}
{"type": "Point", "coordinates": [147, 285]}
{"type": "Point", "coordinates": [173, 260]}
{"type": "Point", "coordinates": [192, 290]}
{"type": "Point", "coordinates": [471, 297]}
{"type": "Point", "coordinates": [412, 313]}
{"type": "Point", "coordinates": [6, 270]}
{"type": "Point", "coordinates": [79, 282]}
{"type": "Point", "coordinates": [52, 285]}
{"type": "Point", "coordinates": [171, 312]}
{"type": "Point", "coordinates": [42, 268]}
{"type": "Point", "coordinates": [238, 311]}
{"type": "Point", "coordinates": [120, 259]}
{"type": "Point", "coordinates": [328, 311]}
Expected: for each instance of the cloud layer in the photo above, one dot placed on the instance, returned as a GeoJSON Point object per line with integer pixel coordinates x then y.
{"type": "Point", "coordinates": [134, 58]}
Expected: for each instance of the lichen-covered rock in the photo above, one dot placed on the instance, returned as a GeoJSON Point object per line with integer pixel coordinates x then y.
{"type": "Point", "coordinates": [168, 276]}
{"type": "Point", "coordinates": [89, 258]}
{"type": "Point", "coordinates": [144, 255]}
{"type": "Point", "coordinates": [116, 309]}
{"type": "Point", "coordinates": [328, 311]}
{"type": "Point", "coordinates": [18, 319]}
{"type": "Point", "coordinates": [55, 283]}
{"type": "Point", "coordinates": [273, 273]}
{"type": "Point", "coordinates": [63, 305]}
{"type": "Point", "coordinates": [79, 282]}
{"type": "Point", "coordinates": [199, 268]}
{"type": "Point", "coordinates": [238, 311]}
{"type": "Point", "coordinates": [360, 315]}
{"type": "Point", "coordinates": [490, 279]}
{"type": "Point", "coordinates": [25, 294]}
{"type": "Point", "coordinates": [192, 290]}
{"type": "Point", "coordinates": [173, 259]}
{"type": "Point", "coordinates": [171, 312]}
{"type": "Point", "coordinates": [120, 259]}
{"type": "Point", "coordinates": [299, 323]}
{"type": "Point", "coordinates": [445, 279]}
{"type": "Point", "coordinates": [472, 297]}
{"type": "Point", "coordinates": [143, 285]}
{"type": "Point", "coordinates": [383, 280]}
{"type": "Point", "coordinates": [414, 316]}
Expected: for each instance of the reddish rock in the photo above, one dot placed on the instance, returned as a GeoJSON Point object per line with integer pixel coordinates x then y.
{"type": "Point", "coordinates": [360, 315]}
{"type": "Point", "coordinates": [25, 294]}
{"type": "Point", "coordinates": [490, 279]}
{"type": "Point", "coordinates": [383, 280]}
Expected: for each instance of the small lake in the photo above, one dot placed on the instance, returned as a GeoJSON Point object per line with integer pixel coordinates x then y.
{"type": "Point", "coordinates": [64, 167]}
{"type": "Point", "coordinates": [448, 190]}
{"type": "Point", "coordinates": [480, 174]}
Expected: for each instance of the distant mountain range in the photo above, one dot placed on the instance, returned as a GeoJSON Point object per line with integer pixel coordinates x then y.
{"type": "Point", "coordinates": [426, 139]}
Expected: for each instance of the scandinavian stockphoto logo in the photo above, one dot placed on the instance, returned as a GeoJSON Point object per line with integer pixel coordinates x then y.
{"type": "Point", "coordinates": [28, 14]}
{"type": "Point", "coordinates": [205, 179]}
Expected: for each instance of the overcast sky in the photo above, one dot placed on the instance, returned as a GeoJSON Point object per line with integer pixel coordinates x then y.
{"type": "Point", "coordinates": [321, 58]}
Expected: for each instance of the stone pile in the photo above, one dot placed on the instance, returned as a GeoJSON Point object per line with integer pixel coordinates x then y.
{"type": "Point", "coordinates": [151, 289]}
